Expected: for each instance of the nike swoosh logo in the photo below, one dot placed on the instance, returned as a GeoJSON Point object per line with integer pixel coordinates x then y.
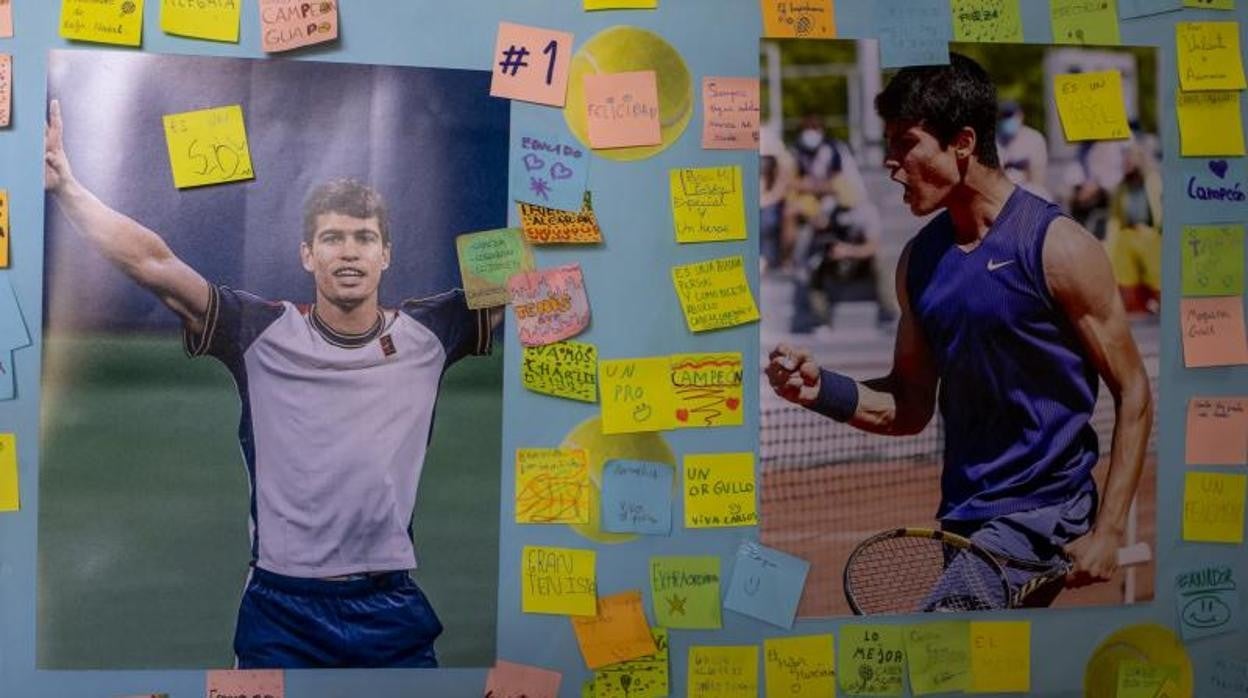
{"type": "Point", "coordinates": [994, 265]}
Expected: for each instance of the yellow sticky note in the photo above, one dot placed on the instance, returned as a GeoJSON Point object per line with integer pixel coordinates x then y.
{"type": "Point", "coordinates": [552, 486]}
{"type": "Point", "coordinates": [9, 499]}
{"type": "Point", "coordinates": [1210, 4]}
{"type": "Point", "coordinates": [208, 146]}
{"type": "Point", "coordinates": [990, 21]}
{"type": "Point", "coordinates": [708, 204]}
{"type": "Point", "coordinates": [1083, 22]}
{"type": "Point", "coordinates": [1208, 56]}
{"type": "Point", "coordinates": [561, 581]}
{"type": "Point", "coordinates": [4, 228]}
{"type": "Point", "coordinates": [1213, 507]}
{"type": "Point", "coordinates": [871, 660]}
{"type": "Point", "coordinates": [939, 657]}
{"type": "Point", "coordinates": [1210, 123]}
{"type": "Point", "coordinates": [550, 226]}
{"type": "Point", "coordinates": [1000, 657]}
{"type": "Point", "coordinates": [618, 633]}
{"type": "Point", "coordinates": [715, 293]}
{"type": "Point", "coordinates": [801, 19]}
{"type": "Point", "coordinates": [1091, 106]}
{"type": "Point", "coordinates": [217, 20]}
{"type": "Point", "coordinates": [103, 21]}
{"type": "Point", "coordinates": [636, 395]}
{"type": "Point", "coordinates": [621, 4]}
{"type": "Point", "coordinates": [800, 667]}
{"type": "Point", "coordinates": [646, 677]}
{"type": "Point", "coordinates": [707, 390]}
{"type": "Point", "coordinates": [563, 369]}
{"type": "Point", "coordinates": [723, 672]}
{"type": "Point", "coordinates": [1138, 679]}
{"type": "Point", "coordinates": [719, 490]}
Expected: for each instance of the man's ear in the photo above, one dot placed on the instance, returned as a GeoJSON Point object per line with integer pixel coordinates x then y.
{"type": "Point", "coordinates": [305, 255]}
{"type": "Point", "coordinates": [964, 143]}
{"type": "Point", "coordinates": [385, 257]}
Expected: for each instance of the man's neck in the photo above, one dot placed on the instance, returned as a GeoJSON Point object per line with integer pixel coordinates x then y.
{"type": "Point", "coordinates": [976, 203]}
{"type": "Point", "coordinates": [356, 319]}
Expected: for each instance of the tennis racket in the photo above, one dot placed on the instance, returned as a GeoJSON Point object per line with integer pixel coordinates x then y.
{"type": "Point", "coordinates": [912, 570]}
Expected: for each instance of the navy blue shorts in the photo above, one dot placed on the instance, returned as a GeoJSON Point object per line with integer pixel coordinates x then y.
{"type": "Point", "coordinates": [383, 620]}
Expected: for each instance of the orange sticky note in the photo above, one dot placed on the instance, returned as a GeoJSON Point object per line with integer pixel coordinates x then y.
{"type": "Point", "coordinates": [622, 109]}
{"type": "Point", "coordinates": [6, 88]}
{"type": "Point", "coordinates": [1213, 331]}
{"type": "Point", "coordinates": [730, 113]}
{"type": "Point", "coordinates": [6, 19]}
{"type": "Point", "coordinates": [4, 228]}
{"type": "Point", "coordinates": [291, 24]}
{"type": "Point", "coordinates": [263, 682]}
{"type": "Point", "coordinates": [511, 680]}
{"type": "Point", "coordinates": [531, 64]}
{"type": "Point", "coordinates": [1217, 431]}
{"type": "Point", "coordinates": [803, 19]}
{"type": "Point", "coordinates": [617, 634]}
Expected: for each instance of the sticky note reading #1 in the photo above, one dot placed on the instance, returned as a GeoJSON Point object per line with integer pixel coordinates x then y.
{"type": "Point", "coordinates": [988, 21]}
{"type": "Point", "coordinates": [913, 32]}
{"type": "Point", "coordinates": [561, 581]}
{"type": "Point", "coordinates": [290, 24]}
{"type": "Point", "coordinates": [719, 490]}
{"type": "Point", "coordinates": [636, 497]}
{"type": "Point", "coordinates": [715, 293]}
{"type": "Point", "coordinates": [619, 633]}
{"type": "Point", "coordinates": [871, 660]}
{"type": "Point", "coordinates": [637, 678]}
{"type": "Point", "coordinates": [766, 584]}
{"type": "Point", "coordinates": [685, 592]}
{"type": "Point", "coordinates": [1000, 657]}
{"type": "Point", "coordinates": [1213, 331]}
{"type": "Point", "coordinates": [636, 396]}
{"type": "Point", "coordinates": [939, 657]}
{"type": "Point", "coordinates": [548, 169]}
{"type": "Point", "coordinates": [622, 109]}
{"type": "Point", "coordinates": [552, 486]}
{"type": "Point", "coordinates": [798, 19]}
{"type": "Point", "coordinates": [563, 369]}
{"type": "Point", "coordinates": [1217, 431]}
{"type": "Point", "coordinates": [1213, 260]}
{"type": "Point", "coordinates": [103, 21]}
{"type": "Point", "coordinates": [217, 21]}
{"type": "Point", "coordinates": [723, 672]}
{"type": "Point", "coordinates": [1208, 56]}
{"type": "Point", "coordinates": [731, 110]}
{"type": "Point", "coordinates": [543, 225]}
{"type": "Point", "coordinates": [486, 260]}
{"type": "Point", "coordinates": [256, 682]}
{"type": "Point", "coordinates": [531, 64]}
{"type": "Point", "coordinates": [708, 204]}
{"type": "Point", "coordinates": [511, 680]}
{"type": "Point", "coordinates": [1091, 106]}
{"type": "Point", "coordinates": [10, 500]}
{"type": "Point", "coordinates": [208, 146]}
{"type": "Point", "coordinates": [550, 304]}
{"type": "Point", "coordinates": [6, 89]}
{"type": "Point", "coordinates": [1213, 507]}
{"type": "Point", "coordinates": [1210, 123]}
{"type": "Point", "coordinates": [799, 667]}
{"type": "Point", "coordinates": [1208, 599]}
{"type": "Point", "coordinates": [1083, 22]}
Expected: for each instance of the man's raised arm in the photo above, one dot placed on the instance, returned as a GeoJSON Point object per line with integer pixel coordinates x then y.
{"type": "Point", "coordinates": [137, 251]}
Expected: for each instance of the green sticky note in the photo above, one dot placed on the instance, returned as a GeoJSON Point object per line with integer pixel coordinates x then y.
{"type": "Point", "coordinates": [487, 259]}
{"type": "Point", "coordinates": [1213, 260]}
{"type": "Point", "coordinates": [1083, 22]}
{"type": "Point", "coordinates": [685, 591]}
{"type": "Point", "coordinates": [939, 657]}
{"type": "Point", "coordinates": [1143, 680]}
{"type": "Point", "coordinates": [990, 21]}
{"type": "Point", "coordinates": [871, 660]}
{"type": "Point", "coordinates": [1210, 4]}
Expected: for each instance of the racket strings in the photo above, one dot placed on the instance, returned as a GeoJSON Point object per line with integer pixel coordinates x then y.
{"type": "Point", "coordinates": [908, 574]}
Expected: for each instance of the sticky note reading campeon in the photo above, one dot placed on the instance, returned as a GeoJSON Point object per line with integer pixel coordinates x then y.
{"type": "Point", "coordinates": [562, 369]}
{"type": "Point", "coordinates": [731, 111]}
{"type": "Point", "coordinates": [208, 146]}
{"type": "Point", "coordinates": [766, 584]}
{"type": "Point", "coordinates": [550, 226]}
{"type": "Point", "coordinates": [1210, 123]}
{"type": "Point", "coordinates": [618, 633]}
{"type": "Point", "coordinates": [638, 678]}
{"type": "Point", "coordinates": [871, 660]}
{"type": "Point", "coordinates": [1208, 600]}
{"type": "Point", "coordinates": [800, 667]}
{"type": "Point", "coordinates": [989, 21]}
{"type": "Point", "coordinates": [561, 581]}
{"type": "Point", "coordinates": [622, 109]}
{"type": "Point", "coordinates": [4, 228]}
{"type": "Point", "coordinates": [1208, 56]}
{"type": "Point", "coordinates": [708, 204]}
{"type": "Point", "coordinates": [1091, 106]}
{"type": "Point", "coordinates": [715, 293]}
{"type": "Point", "coordinates": [707, 390]}
{"type": "Point", "coordinates": [636, 396]}
{"type": "Point", "coordinates": [1217, 431]}
{"type": "Point", "coordinates": [1213, 331]}
{"type": "Point", "coordinates": [637, 497]}
{"type": "Point", "coordinates": [290, 24]}
{"type": "Point", "coordinates": [1083, 22]}
{"type": "Point", "coordinates": [510, 680]}
{"type": "Point", "coordinates": [1000, 657]}
{"type": "Point", "coordinates": [487, 259]}
{"type": "Point", "coordinates": [800, 19]}
{"type": "Point", "coordinates": [550, 304]}
{"type": "Point", "coordinates": [939, 657]}
{"type": "Point", "coordinates": [552, 486]}
{"type": "Point", "coordinates": [723, 672]}
{"type": "Point", "coordinates": [685, 591]}
{"type": "Point", "coordinates": [1213, 260]}
{"type": "Point", "coordinates": [9, 497]}
{"type": "Point", "coordinates": [255, 682]}
{"type": "Point", "coordinates": [6, 89]}
{"type": "Point", "coordinates": [1213, 508]}
{"type": "Point", "coordinates": [217, 21]}
{"type": "Point", "coordinates": [719, 490]}
{"type": "Point", "coordinates": [1138, 679]}
{"type": "Point", "coordinates": [548, 169]}
{"type": "Point", "coordinates": [913, 32]}
{"type": "Point", "coordinates": [103, 21]}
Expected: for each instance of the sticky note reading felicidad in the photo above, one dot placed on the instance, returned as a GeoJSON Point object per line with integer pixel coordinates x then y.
{"type": "Point", "coordinates": [719, 490]}
{"type": "Point", "coordinates": [1213, 507]}
{"type": "Point", "coordinates": [1213, 331]}
{"type": "Point", "coordinates": [730, 113]}
{"type": "Point", "coordinates": [489, 258]}
{"type": "Point", "coordinates": [552, 486]}
{"type": "Point", "coordinates": [939, 657]}
{"type": "Point", "coordinates": [1091, 106]}
{"type": "Point", "coordinates": [550, 304]}
{"type": "Point", "coordinates": [9, 497]}
{"type": "Point", "coordinates": [208, 146]}
{"type": "Point", "coordinates": [1213, 260]}
{"type": "Point", "coordinates": [685, 591]}
{"type": "Point", "coordinates": [1084, 22]}
{"type": "Point", "coordinates": [871, 660]}
{"type": "Point", "coordinates": [217, 21]}
{"type": "Point", "coordinates": [800, 667]}
{"type": "Point", "coordinates": [1208, 56]}
{"type": "Point", "coordinates": [798, 19]}
{"type": "Point", "coordinates": [290, 24]}
{"type": "Point", "coordinates": [715, 293]}
{"type": "Point", "coordinates": [1000, 657]}
{"type": "Point", "coordinates": [989, 21]}
{"type": "Point", "coordinates": [708, 204]}
{"type": "Point", "coordinates": [1217, 431]}
{"type": "Point", "coordinates": [563, 369]}
{"type": "Point", "coordinates": [1210, 123]}
{"type": "Point", "coordinates": [511, 680]}
{"type": "Point", "coordinates": [103, 21]}
{"type": "Point", "coordinates": [561, 581]}
{"type": "Point", "coordinates": [622, 109]}
{"type": "Point", "coordinates": [723, 672]}
{"type": "Point", "coordinates": [255, 682]}
{"type": "Point", "coordinates": [618, 633]}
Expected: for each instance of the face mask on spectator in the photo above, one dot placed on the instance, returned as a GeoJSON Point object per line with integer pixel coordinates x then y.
{"type": "Point", "coordinates": [1010, 127]}
{"type": "Point", "coordinates": [810, 138]}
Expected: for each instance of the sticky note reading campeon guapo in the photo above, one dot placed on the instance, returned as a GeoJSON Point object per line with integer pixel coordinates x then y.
{"type": "Point", "coordinates": [487, 259]}
{"type": "Point", "coordinates": [1091, 106]}
{"type": "Point", "coordinates": [1208, 56]}
{"type": "Point", "coordinates": [561, 581]}
{"type": "Point", "coordinates": [216, 20]}
{"type": "Point", "coordinates": [723, 672]}
{"type": "Point", "coordinates": [208, 146]}
{"type": "Point", "coordinates": [103, 21]}
{"type": "Point", "coordinates": [291, 24]}
{"type": "Point", "coordinates": [800, 667]}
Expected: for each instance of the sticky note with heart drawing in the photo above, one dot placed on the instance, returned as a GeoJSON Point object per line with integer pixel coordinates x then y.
{"type": "Point", "coordinates": [548, 169]}
{"type": "Point", "coordinates": [681, 391]}
{"type": "Point", "coordinates": [707, 390]}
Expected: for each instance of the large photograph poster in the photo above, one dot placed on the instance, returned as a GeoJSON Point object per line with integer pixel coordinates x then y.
{"type": "Point", "coordinates": [833, 227]}
{"type": "Point", "coordinates": [147, 510]}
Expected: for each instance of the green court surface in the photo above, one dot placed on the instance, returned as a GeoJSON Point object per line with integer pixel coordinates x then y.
{"type": "Point", "coordinates": [143, 497]}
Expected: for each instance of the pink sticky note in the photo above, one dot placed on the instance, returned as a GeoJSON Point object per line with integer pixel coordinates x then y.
{"type": "Point", "coordinates": [253, 683]}
{"type": "Point", "coordinates": [508, 680]}
{"type": "Point", "coordinates": [290, 24]}
{"type": "Point", "coordinates": [6, 19]}
{"type": "Point", "coordinates": [1213, 331]}
{"type": "Point", "coordinates": [1217, 431]}
{"type": "Point", "coordinates": [531, 64]}
{"type": "Point", "coordinates": [550, 304]}
{"type": "Point", "coordinates": [622, 109]}
{"type": "Point", "coordinates": [6, 88]}
{"type": "Point", "coordinates": [730, 113]}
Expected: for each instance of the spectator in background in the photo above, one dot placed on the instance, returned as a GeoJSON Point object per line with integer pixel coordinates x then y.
{"type": "Point", "coordinates": [775, 173]}
{"type": "Point", "coordinates": [1133, 235]}
{"type": "Point", "coordinates": [1095, 172]}
{"type": "Point", "coordinates": [1023, 150]}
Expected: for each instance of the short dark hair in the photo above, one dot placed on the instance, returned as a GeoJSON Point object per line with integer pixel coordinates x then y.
{"type": "Point", "coordinates": [349, 197]}
{"type": "Point", "coordinates": [944, 99]}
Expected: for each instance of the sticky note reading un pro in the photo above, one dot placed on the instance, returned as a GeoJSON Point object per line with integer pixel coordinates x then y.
{"type": "Point", "coordinates": [208, 146]}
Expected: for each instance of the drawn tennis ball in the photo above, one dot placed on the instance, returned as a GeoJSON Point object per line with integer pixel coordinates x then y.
{"type": "Point", "coordinates": [623, 49]}
{"type": "Point", "coordinates": [1151, 644]}
{"type": "Point", "coordinates": [600, 448]}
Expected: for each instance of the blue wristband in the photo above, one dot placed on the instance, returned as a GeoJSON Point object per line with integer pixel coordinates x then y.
{"type": "Point", "coordinates": [838, 396]}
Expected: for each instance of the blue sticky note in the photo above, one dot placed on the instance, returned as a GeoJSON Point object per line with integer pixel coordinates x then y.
{"type": "Point", "coordinates": [1217, 187]}
{"type": "Point", "coordinates": [913, 32]}
{"type": "Point", "coordinates": [548, 168]}
{"type": "Point", "coordinates": [766, 584]}
{"type": "Point", "coordinates": [1208, 601]}
{"type": "Point", "coordinates": [1143, 8]}
{"type": "Point", "coordinates": [637, 497]}
{"type": "Point", "coordinates": [8, 381]}
{"type": "Point", "coordinates": [13, 334]}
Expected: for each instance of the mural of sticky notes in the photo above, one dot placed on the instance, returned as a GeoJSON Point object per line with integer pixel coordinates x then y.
{"type": "Point", "coordinates": [618, 633]}
{"type": "Point", "coordinates": [1213, 507]}
{"type": "Point", "coordinates": [646, 677]}
{"type": "Point", "coordinates": [561, 581]}
{"type": "Point", "coordinates": [1210, 123]}
{"type": "Point", "coordinates": [550, 304]}
{"type": "Point", "coordinates": [798, 19]}
{"type": "Point", "coordinates": [871, 660]}
{"type": "Point", "coordinates": [531, 64]}
{"type": "Point", "coordinates": [635, 395]}
{"type": "Point", "coordinates": [543, 225]}
{"type": "Point", "coordinates": [637, 497]}
{"type": "Point", "coordinates": [208, 146]}
{"type": "Point", "coordinates": [939, 657]}
{"type": "Point", "coordinates": [685, 591]}
{"type": "Point", "coordinates": [290, 24]}
{"type": "Point", "coordinates": [1083, 22]}
{"type": "Point", "coordinates": [731, 110]}
{"type": "Point", "coordinates": [10, 499]}
{"type": "Point", "coordinates": [6, 89]}
{"type": "Point", "coordinates": [987, 21]}
{"type": "Point", "coordinates": [1138, 679]}
{"type": "Point", "coordinates": [103, 21]}
{"type": "Point", "coordinates": [4, 228]}
{"type": "Point", "coordinates": [591, 5]}
{"type": "Point", "coordinates": [800, 667]}
{"type": "Point", "coordinates": [1000, 657]}
{"type": "Point", "coordinates": [1208, 56]}
{"type": "Point", "coordinates": [1213, 260]}
{"type": "Point", "coordinates": [1208, 600]}
{"type": "Point", "coordinates": [622, 109]}
{"type": "Point", "coordinates": [552, 486]}
{"type": "Point", "coordinates": [1213, 331]}
{"type": "Point", "coordinates": [913, 32]}
{"type": "Point", "coordinates": [707, 390]}
{"type": "Point", "coordinates": [217, 21]}
{"type": "Point", "coordinates": [1091, 106]}
{"type": "Point", "coordinates": [254, 682]}
{"type": "Point", "coordinates": [723, 672]}
{"type": "Point", "coordinates": [708, 204]}
{"type": "Point", "coordinates": [719, 490]}
{"type": "Point", "coordinates": [766, 584]}
{"type": "Point", "coordinates": [6, 19]}
{"type": "Point", "coordinates": [1217, 431]}
{"type": "Point", "coordinates": [548, 169]}
{"type": "Point", "coordinates": [510, 680]}
{"type": "Point", "coordinates": [487, 259]}
{"type": "Point", "coordinates": [715, 293]}
{"type": "Point", "coordinates": [563, 369]}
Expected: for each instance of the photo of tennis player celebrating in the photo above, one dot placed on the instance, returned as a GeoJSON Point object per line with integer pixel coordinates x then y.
{"type": "Point", "coordinates": [1010, 316]}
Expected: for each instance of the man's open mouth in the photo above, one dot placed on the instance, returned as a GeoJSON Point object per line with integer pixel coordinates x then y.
{"type": "Point", "coordinates": [348, 273]}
